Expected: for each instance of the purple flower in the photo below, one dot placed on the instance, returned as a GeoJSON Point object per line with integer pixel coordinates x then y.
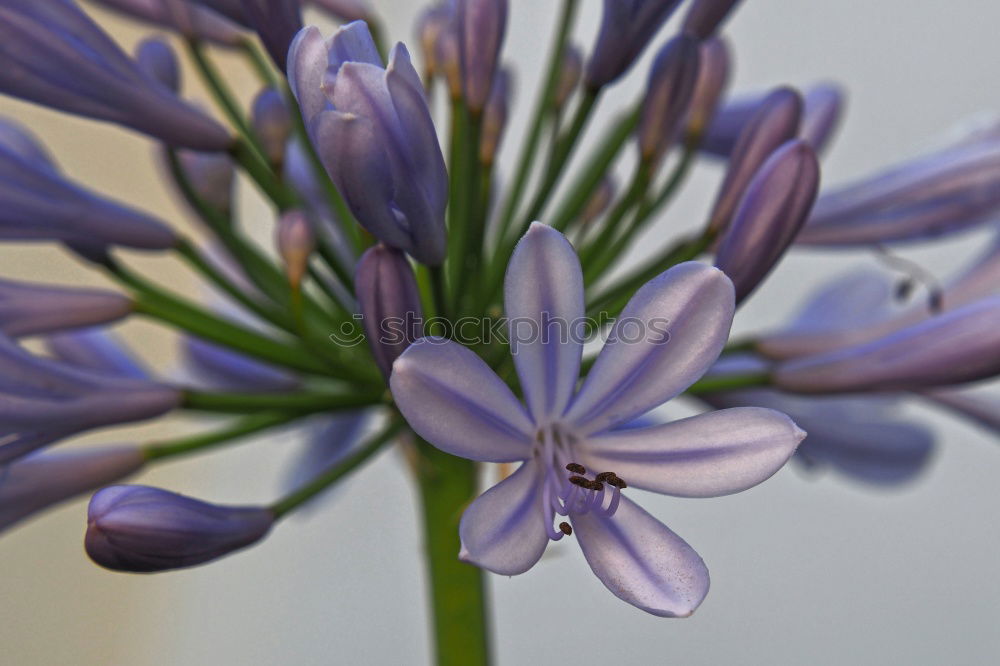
{"type": "Point", "coordinates": [495, 116]}
{"type": "Point", "coordinates": [328, 439]}
{"type": "Point", "coordinates": [389, 301]}
{"type": "Point", "coordinates": [346, 10]}
{"type": "Point", "coordinates": [212, 176]}
{"type": "Point", "coordinates": [978, 406]}
{"type": "Point", "coordinates": [948, 191]}
{"type": "Point", "coordinates": [157, 59]}
{"type": "Point", "coordinates": [295, 240]}
{"type": "Point", "coordinates": [374, 133]}
{"type": "Point", "coordinates": [570, 72]}
{"type": "Point", "coordinates": [775, 122]}
{"type": "Point", "coordinates": [38, 203]}
{"type": "Point", "coordinates": [576, 462]}
{"type": "Point", "coordinates": [221, 369]}
{"type": "Point", "coordinates": [96, 349]}
{"type": "Point", "coordinates": [481, 25]}
{"type": "Point", "coordinates": [713, 76]}
{"type": "Point", "coordinates": [272, 123]}
{"type": "Point", "coordinates": [960, 346]}
{"type": "Point", "coordinates": [142, 529]}
{"type": "Point", "coordinates": [276, 22]}
{"type": "Point", "coordinates": [775, 207]}
{"type": "Point", "coordinates": [28, 309]}
{"type": "Point", "coordinates": [705, 16]}
{"type": "Point", "coordinates": [42, 400]}
{"type": "Point", "coordinates": [52, 54]}
{"type": "Point", "coordinates": [626, 28]}
{"type": "Point", "coordinates": [668, 95]}
{"type": "Point", "coordinates": [40, 481]}
{"type": "Point", "coordinates": [182, 16]}
{"type": "Point", "coordinates": [432, 24]}
{"type": "Point", "coordinates": [860, 437]}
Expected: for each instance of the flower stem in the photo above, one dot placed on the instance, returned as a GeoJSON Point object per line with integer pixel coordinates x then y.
{"type": "Point", "coordinates": [301, 402]}
{"type": "Point", "coordinates": [458, 592]}
{"type": "Point", "coordinates": [200, 442]}
{"type": "Point", "coordinates": [728, 383]}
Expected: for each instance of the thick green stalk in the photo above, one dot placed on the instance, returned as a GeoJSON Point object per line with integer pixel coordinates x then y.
{"type": "Point", "coordinates": [458, 592]}
{"type": "Point", "coordinates": [203, 441]}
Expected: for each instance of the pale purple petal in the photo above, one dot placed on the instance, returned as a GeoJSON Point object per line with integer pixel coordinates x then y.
{"type": "Point", "coordinates": [451, 398]}
{"type": "Point", "coordinates": [503, 530]}
{"type": "Point", "coordinates": [669, 334]}
{"type": "Point", "coordinates": [641, 561]}
{"type": "Point", "coordinates": [543, 300]}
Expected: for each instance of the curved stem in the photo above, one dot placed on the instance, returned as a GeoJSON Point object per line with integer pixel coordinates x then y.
{"type": "Point", "coordinates": [203, 441]}
{"type": "Point", "coordinates": [300, 402]}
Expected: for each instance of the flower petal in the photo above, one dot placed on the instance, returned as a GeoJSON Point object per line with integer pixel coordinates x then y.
{"type": "Point", "coordinates": [451, 398]}
{"type": "Point", "coordinates": [669, 334]}
{"type": "Point", "coordinates": [503, 530]}
{"type": "Point", "coordinates": [641, 561]}
{"type": "Point", "coordinates": [713, 454]}
{"type": "Point", "coordinates": [543, 299]}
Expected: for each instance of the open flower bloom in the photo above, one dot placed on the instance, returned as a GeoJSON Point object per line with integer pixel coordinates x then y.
{"type": "Point", "coordinates": [576, 460]}
{"type": "Point", "coordinates": [373, 130]}
{"type": "Point", "coordinates": [51, 53]}
{"type": "Point", "coordinates": [42, 400]}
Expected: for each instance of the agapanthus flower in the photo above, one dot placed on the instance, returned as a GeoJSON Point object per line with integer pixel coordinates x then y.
{"type": "Point", "coordinates": [184, 17]}
{"type": "Point", "coordinates": [570, 73]}
{"type": "Point", "coordinates": [669, 92]}
{"type": "Point", "coordinates": [713, 75]}
{"type": "Point", "coordinates": [705, 16]}
{"type": "Point", "coordinates": [42, 480]}
{"type": "Point", "coordinates": [272, 123]}
{"type": "Point", "coordinates": [982, 407]}
{"type": "Point", "coordinates": [28, 308]}
{"type": "Point", "coordinates": [222, 369]}
{"type": "Point", "coordinates": [495, 116]}
{"type": "Point", "coordinates": [96, 349]}
{"type": "Point", "coordinates": [373, 130]}
{"type": "Point", "coordinates": [276, 23]}
{"type": "Point", "coordinates": [51, 53]}
{"type": "Point", "coordinates": [576, 461]}
{"type": "Point", "coordinates": [346, 10]}
{"type": "Point", "coordinates": [627, 26]}
{"type": "Point", "coordinates": [480, 25]}
{"type": "Point", "coordinates": [951, 190]}
{"type": "Point", "coordinates": [43, 400]}
{"type": "Point", "coordinates": [157, 59]}
{"type": "Point", "coordinates": [142, 529]}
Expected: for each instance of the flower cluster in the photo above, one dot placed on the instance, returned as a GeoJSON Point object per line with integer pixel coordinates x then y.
{"type": "Point", "coordinates": [374, 223]}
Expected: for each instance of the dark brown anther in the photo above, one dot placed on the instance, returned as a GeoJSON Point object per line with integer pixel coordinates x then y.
{"type": "Point", "coordinates": [576, 468]}
{"type": "Point", "coordinates": [596, 485]}
{"type": "Point", "coordinates": [579, 481]}
{"type": "Point", "coordinates": [604, 476]}
{"type": "Point", "coordinates": [618, 483]}
{"type": "Point", "coordinates": [565, 528]}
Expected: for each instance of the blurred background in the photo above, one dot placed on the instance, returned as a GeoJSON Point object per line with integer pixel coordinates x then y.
{"type": "Point", "coordinates": [807, 568]}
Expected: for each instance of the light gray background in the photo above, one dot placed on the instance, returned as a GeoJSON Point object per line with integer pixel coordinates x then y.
{"type": "Point", "coordinates": [804, 569]}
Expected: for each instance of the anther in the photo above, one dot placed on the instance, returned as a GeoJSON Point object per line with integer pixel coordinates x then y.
{"type": "Point", "coordinates": [596, 485]}
{"type": "Point", "coordinates": [604, 476]}
{"type": "Point", "coordinates": [579, 481]}
{"type": "Point", "coordinates": [565, 528]}
{"type": "Point", "coordinates": [576, 468]}
{"type": "Point", "coordinates": [618, 483]}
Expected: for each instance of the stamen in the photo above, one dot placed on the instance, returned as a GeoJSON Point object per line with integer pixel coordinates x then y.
{"type": "Point", "coordinates": [565, 528]}
{"type": "Point", "coordinates": [580, 481]}
{"type": "Point", "coordinates": [618, 483]}
{"type": "Point", "coordinates": [604, 476]}
{"type": "Point", "coordinates": [576, 468]}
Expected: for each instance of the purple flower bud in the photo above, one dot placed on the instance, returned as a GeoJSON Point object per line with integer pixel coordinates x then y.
{"type": "Point", "coordinates": [231, 9]}
{"type": "Point", "coordinates": [600, 200]}
{"type": "Point", "coordinates": [276, 22]}
{"type": "Point", "coordinates": [157, 59]}
{"type": "Point", "coordinates": [772, 124]}
{"type": "Point", "coordinates": [373, 130]}
{"type": "Point", "coordinates": [982, 408]}
{"type": "Point", "coordinates": [28, 309]}
{"type": "Point", "coordinates": [948, 191]}
{"type": "Point", "coordinates": [296, 241]}
{"type": "Point", "coordinates": [481, 28]}
{"type": "Point", "coordinates": [44, 45]}
{"type": "Point", "coordinates": [713, 76]}
{"type": "Point", "coordinates": [142, 529]}
{"type": "Point", "coordinates": [42, 400]}
{"type": "Point", "coordinates": [327, 440]}
{"type": "Point", "coordinates": [448, 58]}
{"type": "Point", "coordinates": [346, 10]}
{"type": "Point", "coordinates": [272, 123]}
{"type": "Point", "coordinates": [96, 349]}
{"type": "Point", "coordinates": [38, 203]}
{"type": "Point", "coordinates": [212, 176]}
{"type": "Point", "coordinates": [180, 15]}
{"type": "Point", "coordinates": [495, 116]}
{"type": "Point", "coordinates": [432, 23]}
{"type": "Point", "coordinates": [668, 96]}
{"type": "Point", "coordinates": [954, 348]}
{"type": "Point", "coordinates": [775, 207]}
{"type": "Point", "coordinates": [222, 369]}
{"type": "Point", "coordinates": [626, 29]}
{"type": "Point", "coordinates": [705, 16]}
{"type": "Point", "coordinates": [821, 112]}
{"type": "Point", "coordinates": [43, 480]}
{"type": "Point", "coordinates": [570, 72]}
{"type": "Point", "coordinates": [389, 301]}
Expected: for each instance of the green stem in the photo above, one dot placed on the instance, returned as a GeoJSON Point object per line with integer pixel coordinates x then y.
{"type": "Point", "coordinates": [458, 592]}
{"type": "Point", "coordinates": [543, 104]}
{"type": "Point", "coordinates": [260, 63]}
{"type": "Point", "coordinates": [459, 206]}
{"type": "Point", "coordinates": [200, 442]}
{"type": "Point", "coordinates": [728, 383]}
{"type": "Point", "coordinates": [334, 474]}
{"type": "Point", "coordinates": [595, 257]}
{"type": "Point", "coordinates": [301, 402]}
{"type": "Point", "coordinates": [256, 166]}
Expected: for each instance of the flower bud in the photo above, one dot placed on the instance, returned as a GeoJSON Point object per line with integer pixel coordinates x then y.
{"type": "Point", "coordinates": [772, 124]}
{"type": "Point", "coordinates": [449, 61]}
{"type": "Point", "coordinates": [570, 71]}
{"type": "Point", "coordinates": [668, 95]}
{"type": "Point", "coordinates": [157, 59]}
{"type": "Point", "coordinates": [346, 10]}
{"type": "Point", "coordinates": [222, 369]}
{"type": "Point", "coordinates": [296, 241]}
{"type": "Point", "coordinates": [713, 75]}
{"type": "Point", "coordinates": [41, 481]}
{"type": "Point", "coordinates": [821, 112]}
{"type": "Point", "coordinates": [626, 28]}
{"type": "Point", "coordinates": [96, 349]}
{"type": "Point", "coordinates": [959, 346]}
{"type": "Point", "coordinates": [705, 16]}
{"type": "Point", "coordinates": [143, 530]}
{"type": "Point", "coordinates": [775, 207]}
{"type": "Point", "coordinates": [481, 28]}
{"type": "Point", "coordinates": [600, 200]}
{"type": "Point", "coordinates": [495, 117]}
{"type": "Point", "coordinates": [272, 123]}
{"type": "Point", "coordinates": [976, 406]}
{"type": "Point", "coordinates": [389, 301]}
{"type": "Point", "coordinates": [276, 22]}
{"type": "Point", "coordinates": [432, 24]}
{"type": "Point", "coordinates": [28, 309]}
{"type": "Point", "coordinates": [181, 16]}
{"type": "Point", "coordinates": [211, 175]}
